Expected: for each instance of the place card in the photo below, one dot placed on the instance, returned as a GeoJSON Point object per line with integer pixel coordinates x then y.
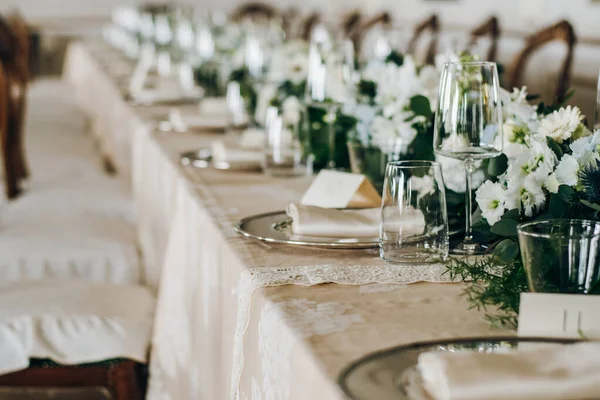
{"type": "Point", "coordinates": [559, 315]}
{"type": "Point", "coordinates": [334, 189]}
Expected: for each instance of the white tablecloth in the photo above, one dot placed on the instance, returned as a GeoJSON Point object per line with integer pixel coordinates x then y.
{"type": "Point", "coordinates": [221, 331]}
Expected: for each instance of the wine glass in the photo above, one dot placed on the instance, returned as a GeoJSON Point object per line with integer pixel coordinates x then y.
{"type": "Point", "coordinates": [331, 78]}
{"type": "Point", "coordinates": [597, 117]}
{"type": "Point", "coordinates": [468, 125]}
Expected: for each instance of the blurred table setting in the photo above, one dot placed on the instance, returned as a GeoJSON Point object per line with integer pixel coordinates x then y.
{"type": "Point", "coordinates": [310, 193]}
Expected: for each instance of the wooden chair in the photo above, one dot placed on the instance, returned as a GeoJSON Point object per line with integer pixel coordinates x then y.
{"type": "Point", "coordinates": [350, 22]}
{"type": "Point", "coordinates": [383, 19]}
{"type": "Point", "coordinates": [309, 24]}
{"type": "Point", "coordinates": [491, 28]}
{"type": "Point", "coordinates": [11, 181]}
{"type": "Point", "coordinates": [561, 31]}
{"type": "Point", "coordinates": [430, 24]}
{"type": "Point", "coordinates": [255, 11]}
{"type": "Point", "coordinates": [119, 379]}
{"type": "Point", "coordinates": [22, 62]}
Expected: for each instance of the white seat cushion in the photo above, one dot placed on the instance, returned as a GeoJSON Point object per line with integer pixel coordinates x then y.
{"type": "Point", "coordinates": [100, 196]}
{"type": "Point", "coordinates": [73, 322]}
{"type": "Point", "coordinates": [90, 247]}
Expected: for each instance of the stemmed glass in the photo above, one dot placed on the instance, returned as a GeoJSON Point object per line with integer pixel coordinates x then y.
{"type": "Point", "coordinates": [597, 119]}
{"type": "Point", "coordinates": [468, 125]}
{"type": "Point", "coordinates": [331, 78]}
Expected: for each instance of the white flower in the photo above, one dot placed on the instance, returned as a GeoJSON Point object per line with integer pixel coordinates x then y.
{"type": "Point", "coordinates": [455, 178]}
{"type": "Point", "coordinates": [566, 170]}
{"type": "Point", "coordinates": [423, 186]}
{"type": "Point", "coordinates": [291, 110]}
{"type": "Point", "coordinates": [443, 58]}
{"type": "Point", "coordinates": [455, 142]}
{"type": "Point", "coordinates": [395, 133]}
{"type": "Point", "coordinates": [552, 183]}
{"type": "Point", "coordinates": [586, 149]}
{"type": "Point", "coordinates": [560, 125]}
{"type": "Point", "coordinates": [289, 62]}
{"type": "Point", "coordinates": [538, 161]}
{"type": "Point", "coordinates": [526, 193]}
{"type": "Point", "coordinates": [491, 200]}
{"type": "Point", "coordinates": [515, 105]}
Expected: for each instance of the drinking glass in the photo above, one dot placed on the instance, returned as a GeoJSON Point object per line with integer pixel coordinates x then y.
{"type": "Point", "coordinates": [237, 109]}
{"type": "Point", "coordinates": [414, 221]}
{"type": "Point", "coordinates": [283, 151]}
{"type": "Point", "coordinates": [561, 256]}
{"type": "Point", "coordinates": [597, 119]}
{"type": "Point", "coordinates": [468, 125]}
{"type": "Point", "coordinates": [331, 77]}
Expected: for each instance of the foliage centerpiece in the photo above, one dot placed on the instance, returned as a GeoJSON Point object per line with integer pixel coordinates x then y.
{"type": "Point", "coordinates": [549, 169]}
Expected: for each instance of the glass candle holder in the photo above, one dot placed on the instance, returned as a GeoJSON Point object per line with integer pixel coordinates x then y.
{"type": "Point", "coordinates": [561, 256]}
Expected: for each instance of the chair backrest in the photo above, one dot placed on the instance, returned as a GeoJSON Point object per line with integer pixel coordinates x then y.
{"type": "Point", "coordinates": [254, 10]}
{"type": "Point", "coordinates": [490, 28]}
{"type": "Point", "coordinates": [384, 19]}
{"type": "Point", "coordinates": [561, 31]}
{"type": "Point", "coordinates": [10, 177]}
{"type": "Point", "coordinates": [21, 37]}
{"type": "Point", "coordinates": [430, 24]}
{"type": "Point", "coordinates": [350, 22]}
{"type": "Point", "coordinates": [309, 24]}
{"type": "Point", "coordinates": [16, 74]}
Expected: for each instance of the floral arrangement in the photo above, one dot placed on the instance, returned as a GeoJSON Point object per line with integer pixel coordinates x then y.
{"type": "Point", "coordinates": [550, 169]}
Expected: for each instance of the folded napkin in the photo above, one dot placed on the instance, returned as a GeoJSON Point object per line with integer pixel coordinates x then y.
{"type": "Point", "coordinates": [317, 221]}
{"type": "Point", "coordinates": [556, 372]}
{"type": "Point", "coordinates": [200, 122]}
{"type": "Point", "coordinates": [214, 106]}
{"type": "Point", "coordinates": [235, 156]}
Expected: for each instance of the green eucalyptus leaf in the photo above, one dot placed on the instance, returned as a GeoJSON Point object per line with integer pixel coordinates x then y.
{"type": "Point", "coordinates": [555, 147]}
{"type": "Point", "coordinates": [505, 227]}
{"type": "Point", "coordinates": [498, 165]}
{"type": "Point", "coordinates": [507, 250]}
{"type": "Point", "coordinates": [421, 106]}
{"type": "Point", "coordinates": [590, 205]}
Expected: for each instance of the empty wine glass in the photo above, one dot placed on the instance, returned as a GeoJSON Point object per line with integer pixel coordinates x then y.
{"type": "Point", "coordinates": [331, 77]}
{"type": "Point", "coordinates": [468, 125]}
{"type": "Point", "coordinates": [597, 119]}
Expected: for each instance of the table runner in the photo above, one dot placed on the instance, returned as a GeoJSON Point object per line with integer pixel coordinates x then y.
{"type": "Point", "coordinates": [291, 340]}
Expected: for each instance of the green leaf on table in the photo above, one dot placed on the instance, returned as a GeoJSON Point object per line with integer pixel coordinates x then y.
{"type": "Point", "coordinates": [590, 205]}
{"type": "Point", "coordinates": [507, 250]}
{"type": "Point", "coordinates": [513, 214]}
{"type": "Point", "coordinates": [481, 232]}
{"type": "Point", "coordinates": [421, 106]}
{"type": "Point", "coordinates": [505, 227]}
{"type": "Point", "coordinates": [555, 147]}
{"type": "Point", "coordinates": [498, 165]}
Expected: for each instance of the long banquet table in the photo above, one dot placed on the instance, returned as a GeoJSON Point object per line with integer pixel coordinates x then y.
{"type": "Point", "coordinates": [237, 318]}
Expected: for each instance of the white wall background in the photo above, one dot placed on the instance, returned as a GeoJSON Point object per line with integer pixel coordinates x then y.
{"type": "Point", "coordinates": [514, 14]}
{"type": "Point", "coordinates": [524, 16]}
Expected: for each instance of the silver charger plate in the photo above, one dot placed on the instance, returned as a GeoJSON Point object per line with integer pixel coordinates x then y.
{"type": "Point", "coordinates": [276, 227]}
{"type": "Point", "coordinates": [392, 374]}
{"type": "Point", "coordinates": [202, 158]}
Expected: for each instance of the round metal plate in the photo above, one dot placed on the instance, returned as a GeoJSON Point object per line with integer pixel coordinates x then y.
{"type": "Point", "coordinates": [275, 227]}
{"type": "Point", "coordinates": [392, 375]}
{"type": "Point", "coordinates": [202, 158]}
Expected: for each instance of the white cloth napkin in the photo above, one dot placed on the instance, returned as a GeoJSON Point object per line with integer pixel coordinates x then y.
{"type": "Point", "coordinates": [243, 158]}
{"type": "Point", "coordinates": [317, 221]}
{"type": "Point", "coordinates": [557, 372]}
